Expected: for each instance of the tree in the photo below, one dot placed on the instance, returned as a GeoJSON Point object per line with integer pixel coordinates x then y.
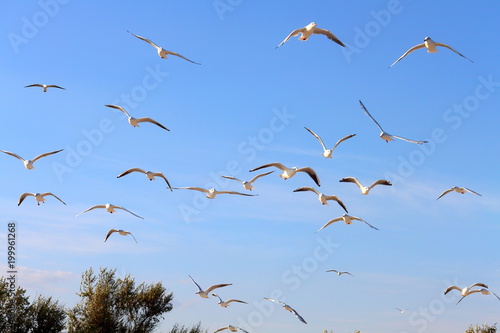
{"type": "Point", "coordinates": [111, 304]}
{"type": "Point", "coordinates": [181, 329]}
{"type": "Point", "coordinates": [482, 329]}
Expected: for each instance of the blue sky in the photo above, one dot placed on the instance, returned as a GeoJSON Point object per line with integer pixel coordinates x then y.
{"type": "Point", "coordinates": [245, 106]}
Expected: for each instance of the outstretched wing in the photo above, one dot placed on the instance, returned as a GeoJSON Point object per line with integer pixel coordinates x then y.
{"type": "Point", "coordinates": [149, 120]}
{"type": "Point", "coordinates": [351, 180]}
{"type": "Point", "coordinates": [342, 140]}
{"type": "Point", "coordinates": [93, 207]}
{"type": "Point", "coordinates": [238, 193]}
{"type": "Point", "coordinates": [328, 34]}
{"type": "Point", "coordinates": [311, 174]}
{"type": "Point", "coordinates": [192, 188]}
{"type": "Point", "coordinates": [317, 137]}
{"type": "Point", "coordinates": [330, 222]}
{"type": "Point", "coordinates": [12, 154]}
{"type": "Point", "coordinates": [258, 176]}
{"type": "Point", "coordinates": [335, 198]}
{"type": "Point", "coordinates": [416, 47]}
{"type": "Point", "coordinates": [232, 178]}
{"type": "Point", "coordinates": [380, 182]}
{"type": "Point", "coordinates": [34, 85]}
{"type": "Point", "coordinates": [370, 116]}
{"type": "Point", "coordinates": [180, 56]}
{"type": "Point", "coordinates": [368, 224]}
{"type": "Point", "coordinates": [306, 188]}
{"type": "Point", "coordinates": [118, 207]}
{"type": "Point", "coordinates": [277, 165]}
{"type": "Point", "coordinates": [199, 288]}
{"type": "Point", "coordinates": [55, 196]}
{"type": "Point", "coordinates": [22, 197]}
{"type": "Point", "coordinates": [144, 39]}
{"type": "Point", "coordinates": [471, 191]}
{"type": "Point", "coordinates": [445, 192]}
{"type": "Point", "coordinates": [109, 233]}
{"type": "Point", "coordinates": [293, 33]}
{"type": "Point", "coordinates": [449, 47]}
{"type": "Point", "coordinates": [46, 154]}
{"type": "Point", "coordinates": [409, 140]}
{"type": "Point", "coordinates": [130, 171]}
{"type": "Point", "coordinates": [215, 286]}
{"type": "Point", "coordinates": [118, 108]}
{"type": "Point", "coordinates": [54, 86]}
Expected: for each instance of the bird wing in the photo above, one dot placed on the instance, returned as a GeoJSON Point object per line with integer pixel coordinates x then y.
{"type": "Point", "coordinates": [328, 34]}
{"type": "Point", "coordinates": [195, 283]}
{"type": "Point", "coordinates": [449, 47]}
{"type": "Point", "coordinates": [416, 47]}
{"type": "Point", "coordinates": [332, 270]}
{"type": "Point", "coordinates": [22, 197]}
{"type": "Point", "coordinates": [109, 233]}
{"type": "Point", "coordinates": [46, 154]}
{"type": "Point", "coordinates": [242, 330]}
{"type": "Point", "coordinates": [347, 273]}
{"type": "Point", "coordinates": [118, 108]}
{"type": "Point", "coordinates": [297, 315]}
{"type": "Point", "coordinates": [334, 197]}
{"type": "Point", "coordinates": [494, 294]}
{"type": "Point", "coordinates": [471, 191]}
{"type": "Point", "coordinates": [311, 174]}
{"type": "Point", "coordinates": [343, 139]}
{"type": "Point", "coordinates": [215, 286]}
{"type": "Point", "coordinates": [54, 86]}
{"type": "Point", "coordinates": [380, 182]}
{"type": "Point", "coordinates": [306, 188]}
{"type": "Point", "coordinates": [130, 171]}
{"type": "Point", "coordinates": [409, 140]}
{"type": "Point", "coordinates": [232, 178]}
{"type": "Point", "coordinates": [238, 193]}
{"type": "Point", "coordinates": [12, 154]}
{"type": "Point", "coordinates": [180, 56]}
{"type": "Point", "coordinates": [317, 137]}
{"type": "Point", "coordinates": [330, 222]}
{"type": "Point", "coordinates": [55, 196]}
{"type": "Point", "coordinates": [93, 207]}
{"type": "Point", "coordinates": [445, 192]}
{"type": "Point", "coordinates": [351, 180]}
{"type": "Point", "coordinates": [478, 284]}
{"type": "Point", "coordinates": [370, 116]}
{"type": "Point", "coordinates": [360, 219]}
{"type": "Point", "coordinates": [161, 175]}
{"type": "Point", "coordinates": [34, 85]}
{"type": "Point", "coordinates": [235, 300]}
{"type": "Point", "coordinates": [144, 39]}
{"type": "Point", "coordinates": [118, 207]}
{"type": "Point", "coordinates": [260, 175]}
{"type": "Point", "coordinates": [273, 300]}
{"type": "Point", "coordinates": [220, 329]}
{"type": "Point", "coordinates": [149, 120]}
{"type": "Point", "coordinates": [193, 188]}
{"type": "Point", "coordinates": [133, 237]}
{"type": "Point", "coordinates": [293, 33]}
{"type": "Point", "coordinates": [277, 165]}
{"type": "Point", "coordinates": [450, 288]}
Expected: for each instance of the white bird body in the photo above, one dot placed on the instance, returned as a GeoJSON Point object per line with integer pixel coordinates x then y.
{"type": "Point", "coordinates": [28, 164]}
{"type": "Point", "coordinates": [212, 192]}
{"type": "Point", "coordinates": [135, 121]}
{"type": "Point", "coordinates": [468, 290]}
{"type": "Point", "coordinates": [321, 197]}
{"type": "Point", "coordinates": [290, 172]}
{"type": "Point", "coordinates": [149, 174]}
{"type": "Point", "coordinates": [225, 304]}
{"type": "Point", "coordinates": [288, 308]}
{"type": "Point", "coordinates": [44, 86]}
{"type": "Point", "coordinates": [39, 197]}
{"type": "Point", "coordinates": [248, 185]}
{"type": "Point", "coordinates": [309, 30]}
{"type": "Point", "coordinates": [365, 189]}
{"type": "Point", "coordinates": [347, 220]}
{"type": "Point", "coordinates": [327, 153]}
{"type": "Point", "coordinates": [460, 190]}
{"type": "Point", "coordinates": [120, 232]}
{"type": "Point", "coordinates": [204, 293]}
{"type": "Point", "coordinates": [110, 208]}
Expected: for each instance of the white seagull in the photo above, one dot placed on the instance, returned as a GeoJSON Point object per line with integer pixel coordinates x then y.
{"type": "Point", "coordinates": [468, 290]}
{"type": "Point", "coordinates": [44, 86]}
{"type": "Point", "coordinates": [431, 47]}
{"type": "Point", "coordinates": [328, 152]}
{"type": "Point", "coordinates": [225, 304]}
{"type": "Point", "coordinates": [149, 174]}
{"type": "Point", "coordinates": [308, 30]}
{"type": "Point", "coordinates": [110, 208]}
{"type": "Point", "coordinates": [121, 232]}
{"type": "Point", "coordinates": [248, 184]}
{"type": "Point", "coordinates": [161, 51]}
{"type": "Point", "coordinates": [28, 164]}
{"type": "Point", "coordinates": [40, 197]}
{"type": "Point", "coordinates": [321, 197]}
{"type": "Point", "coordinates": [384, 135]}
{"type": "Point", "coordinates": [364, 189]}
{"type": "Point", "coordinates": [231, 328]}
{"type": "Point", "coordinates": [204, 293]}
{"type": "Point", "coordinates": [401, 310]}
{"type": "Point", "coordinates": [290, 172]}
{"type": "Point", "coordinates": [339, 273]}
{"type": "Point", "coordinates": [347, 219]}
{"type": "Point", "coordinates": [212, 193]}
{"type": "Point", "coordinates": [135, 122]}
{"type": "Point", "coordinates": [461, 190]}
{"type": "Point", "coordinates": [288, 308]}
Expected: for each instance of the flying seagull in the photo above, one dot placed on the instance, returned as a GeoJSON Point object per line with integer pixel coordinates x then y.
{"type": "Point", "coordinates": [430, 45]}
{"type": "Point", "coordinates": [212, 193]}
{"type": "Point", "coordinates": [384, 135]}
{"type": "Point", "coordinates": [135, 122]}
{"type": "Point", "coordinates": [28, 164]}
{"type": "Point", "coordinates": [290, 172]}
{"type": "Point", "coordinates": [364, 189]}
{"type": "Point", "coordinates": [121, 232]}
{"type": "Point", "coordinates": [461, 190]}
{"type": "Point", "coordinates": [401, 310]}
{"type": "Point", "coordinates": [225, 304]}
{"type": "Point", "coordinates": [44, 86]}
{"type": "Point", "coordinates": [248, 184]}
{"type": "Point", "coordinates": [288, 308]}
{"type": "Point", "coordinates": [110, 208]}
{"type": "Point", "coordinates": [339, 273]}
{"type": "Point", "coordinates": [149, 174]}
{"type": "Point", "coordinates": [40, 197]}
{"type": "Point", "coordinates": [231, 328]}
{"type": "Point", "coordinates": [321, 197]}
{"type": "Point", "coordinates": [161, 51]}
{"type": "Point", "coordinates": [204, 293]}
{"type": "Point", "coordinates": [347, 219]}
{"type": "Point", "coordinates": [328, 152]}
{"type": "Point", "coordinates": [468, 290]}
{"type": "Point", "coordinates": [308, 30]}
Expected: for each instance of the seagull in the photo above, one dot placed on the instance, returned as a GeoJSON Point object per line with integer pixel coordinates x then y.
{"type": "Point", "coordinates": [401, 310]}
{"type": "Point", "coordinates": [110, 208]}
{"type": "Point", "coordinates": [205, 293]}
{"type": "Point", "coordinates": [135, 122]}
{"type": "Point", "coordinates": [328, 152]}
{"type": "Point", "coordinates": [248, 184]}
{"type": "Point", "coordinates": [290, 172]}
{"type": "Point", "coordinates": [38, 196]}
{"type": "Point", "coordinates": [321, 197]}
{"type": "Point", "coordinates": [149, 174]}
{"type": "Point", "coordinates": [467, 290]}
{"type": "Point", "coordinates": [121, 232]}
{"type": "Point", "coordinates": [308, 30]}
{"type": "Point", "coordinates": [430, 45]}
{"type": "Point", "coordinates": [28, 164]}
{"type": "Point", "coordinates": [288, 308]}
{"type": "Point", "coordinates": [44, 86]}
{"type": "Point", "coordinates": [212, 193]}
{"type": "Point", "coordinates": [347, 219]}
{"type": "Point", "coordinates": [225, 304]}
{"type": "Point", "coordinates": [231, 328]}
{"type": "Point", "coordinates": [384, 135]}
{"type": "Point", "coordinates": [161, 51]}
{"type": "Point", "coordinates": [338, 272]}
{"type": "Point", "coordinates": [365, 190]}
{"type": "Point", "coordinates": [461, 190]}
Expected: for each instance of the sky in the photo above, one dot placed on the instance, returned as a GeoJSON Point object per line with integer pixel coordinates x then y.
{"type": "Point", "coordinates": [246, 105]}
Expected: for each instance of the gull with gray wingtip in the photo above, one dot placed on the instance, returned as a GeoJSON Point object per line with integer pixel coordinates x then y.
{"type": "Point", "coordinates": [288, 308]}
{"type": "Point", "coordinates": [328, 152]}
{"type": "Point", "coordinates": [365, 189]}
{"type": "Point", "coordinates": [290, 172]}
{"type": "Point", "coordinates": [468, 290]}
{"type": "Point", "coordinates": [212, 193]}
{"type": "Point", "coordinates": [248, 184]}
{"type": "Point", "coordinates": [44, 86]}
{"type": "Point", "coordinates": [457, 189]}
{"type": "Point", "coordinates": [225, 304]}
{"type": "Point", "coordinates": [321, 197]}
{"type": "Point", "coordinates": [339, 273]}
{"type": "Point", "coordinates": [28, 164]}
{"type": "Point", "coordinates": [347, 220]}
{"type": "Point", "coordinates": [204, 293]}
{"type": "Point", "coordinates": [149, 174]}
{"type": "Point", "coordinates": [309, 30]}
{"type": "Point", "coordinates": [110, 208]}
{"type": "Point", "coordinates": [120, 232]}
{"type": "Point", "coordinates": [135, 121]}
{"type": "Point", "coordinates": [40, 197]}
{"type": "Point", "coordinates": [231, 328]}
